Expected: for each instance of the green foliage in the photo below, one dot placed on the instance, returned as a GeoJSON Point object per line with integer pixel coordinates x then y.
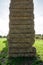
{"type": "Point", "coordinates": [39, 48]}
{"type": "Point", "coordinates": [2, 43]}
{"type": "Point", "coordinates": [38, 36]}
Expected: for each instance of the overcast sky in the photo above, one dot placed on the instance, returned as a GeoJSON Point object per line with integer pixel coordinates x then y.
{"type": "Point", "coordinates": [4, 16]}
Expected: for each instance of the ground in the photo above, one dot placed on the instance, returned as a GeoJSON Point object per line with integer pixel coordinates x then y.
{"type": "Point", "coordinates": [4, 55]}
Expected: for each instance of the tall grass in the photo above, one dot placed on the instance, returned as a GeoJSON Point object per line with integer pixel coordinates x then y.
{"type": "Point", "coordinates": [39, 47]}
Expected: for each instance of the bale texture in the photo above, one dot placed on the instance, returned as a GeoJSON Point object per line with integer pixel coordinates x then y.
{"type": "Point", "coordinates": [21, 28]}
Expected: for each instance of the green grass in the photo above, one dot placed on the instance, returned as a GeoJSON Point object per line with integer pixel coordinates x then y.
{"type": "Point", "coordinates": [2, 43]}
{"type": "Point", "coordinates": [39, 48]}
{"type": "Point", "coordinates": [38, 45]}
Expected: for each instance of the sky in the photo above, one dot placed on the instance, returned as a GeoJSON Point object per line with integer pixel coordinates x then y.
{"type": "Point", "coordinates": [4, 16]}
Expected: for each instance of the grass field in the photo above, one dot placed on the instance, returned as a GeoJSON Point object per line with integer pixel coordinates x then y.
{"type": "Point", "coordinates": [38, 45]}
{"type": "Point", "coordinates": [39, 48]}
{"type": "Point", "coordinates": [2, 43]}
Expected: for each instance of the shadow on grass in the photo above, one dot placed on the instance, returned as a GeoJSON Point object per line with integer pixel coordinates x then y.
{"type": "Point", "coordinates": [25, 61]}
{"type": "Point", "coordinates": [18, 60]}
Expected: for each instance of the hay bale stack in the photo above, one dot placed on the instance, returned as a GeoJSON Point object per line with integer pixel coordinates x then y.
{"type": "Point", "coordinates": [21, 25]}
